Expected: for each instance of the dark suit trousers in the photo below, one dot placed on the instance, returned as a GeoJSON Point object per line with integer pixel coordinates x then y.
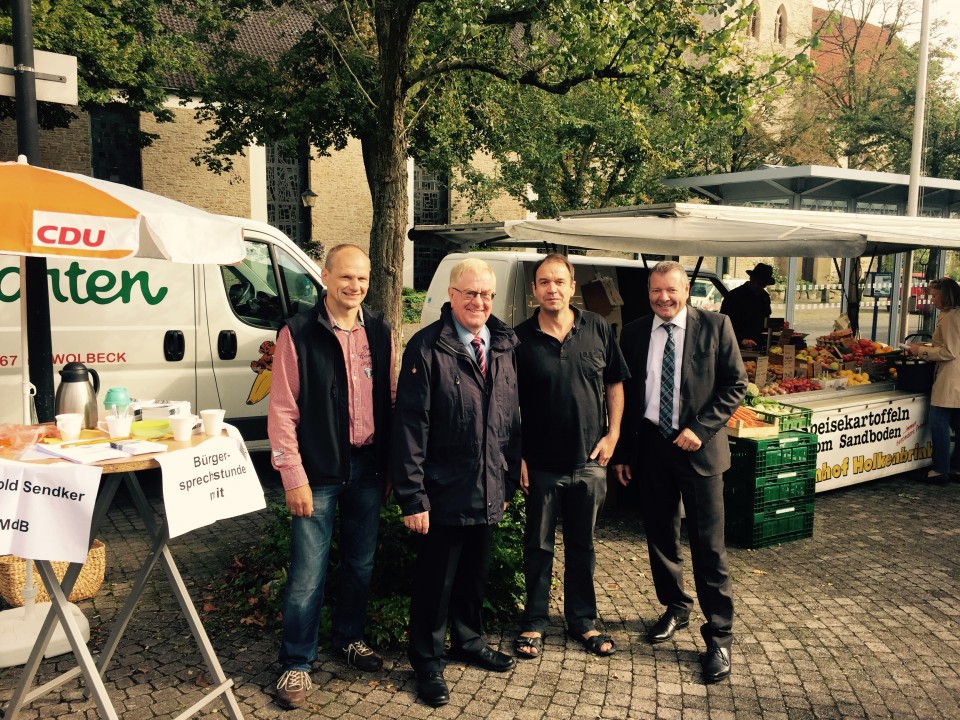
{"type": "Point", "coordinates": [666, 476]}
{"type": "Point", "coordinates": [449, 579]}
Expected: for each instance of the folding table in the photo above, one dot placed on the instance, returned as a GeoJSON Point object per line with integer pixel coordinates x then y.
{"type": "Point", "coordinates": [93, 669]}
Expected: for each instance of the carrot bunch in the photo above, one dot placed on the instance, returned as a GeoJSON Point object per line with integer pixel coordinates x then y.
{"type": "Point", "coordinates": [746, 417]}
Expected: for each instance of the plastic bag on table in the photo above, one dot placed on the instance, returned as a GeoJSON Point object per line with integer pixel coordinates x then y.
{"type": "Point", "coordinates": [14, 439]}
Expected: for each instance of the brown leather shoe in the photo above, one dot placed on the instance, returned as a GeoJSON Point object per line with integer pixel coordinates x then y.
{"type": "Point", "coordinates": [292, 688]}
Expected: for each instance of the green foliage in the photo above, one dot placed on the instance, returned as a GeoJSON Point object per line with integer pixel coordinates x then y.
{"type": "Point", "coordinates": [252, 591]}
{"type": "Point", "coordinates": [124, 54]}
{"type": "Point", "coordinates": [474, 77]}
{"type": "Point", "coordinates": [858, 108]}
{"type": "Point", "coordinates": [505, 586]}
{"type": "Point", "coordinates": [412, 305]}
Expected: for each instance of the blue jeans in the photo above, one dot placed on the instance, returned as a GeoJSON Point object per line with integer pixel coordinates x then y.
{"type": "Point", "coordinates": [359, 501]}
{"type": "Point", "coordinates": [942, 421]}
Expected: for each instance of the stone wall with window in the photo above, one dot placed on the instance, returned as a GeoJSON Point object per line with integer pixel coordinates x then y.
{"type": "Point", "coordinates": [344, 210]}
{"type": "Point", "coordinates": [64, 149]}
{"type": "Point", "coordinates": [168, 168]}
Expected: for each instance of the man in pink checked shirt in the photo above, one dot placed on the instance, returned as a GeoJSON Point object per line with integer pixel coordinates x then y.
{"type": "Point", "coordinates": [329, 427]}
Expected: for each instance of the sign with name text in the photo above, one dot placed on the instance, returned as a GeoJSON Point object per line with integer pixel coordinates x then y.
{"type": "Point", "coordinates": [46, 510]}
{"type": "Point", "coordinates": [209, 482]}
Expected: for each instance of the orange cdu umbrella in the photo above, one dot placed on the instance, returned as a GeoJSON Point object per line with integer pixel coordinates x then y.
{"type": "Point", "coordinates": [51, 213]}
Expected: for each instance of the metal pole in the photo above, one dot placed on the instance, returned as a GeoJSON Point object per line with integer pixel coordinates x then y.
{"type": "Point", "coordinates": [916, 159]}
{"type": "Point", "coordinates": [33, 280]}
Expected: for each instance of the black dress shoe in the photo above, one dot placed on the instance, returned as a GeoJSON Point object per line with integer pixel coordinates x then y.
{"type": "Point", "coordinates": [716, 664]}
{"type": "Point", "coordinates": [486, 657]}
{"type": "Point", "coordinates": [664, 628]}
{"type": "Point", "coordinates": [432, 688]}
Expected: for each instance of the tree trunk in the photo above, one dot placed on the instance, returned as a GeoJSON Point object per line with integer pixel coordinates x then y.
{"type": "Point", "coordinates": [388, 184]}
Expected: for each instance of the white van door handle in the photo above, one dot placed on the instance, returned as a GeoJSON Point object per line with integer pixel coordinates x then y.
{"type": "Point", "coordinates": [174, 346]}
{"type": "Point", "coordinates": [227, 345]}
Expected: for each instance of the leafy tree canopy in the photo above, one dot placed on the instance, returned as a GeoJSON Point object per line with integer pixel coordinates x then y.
{"type": "Point", "coordinates": [124, 54]}
{"type": "Point", "coordinates": [478, 74]}
{"type": "Point", "coordinates": [858, 107]}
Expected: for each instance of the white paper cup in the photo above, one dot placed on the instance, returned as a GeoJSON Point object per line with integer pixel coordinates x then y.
{"type": "Point", "coordinates": [212, 421]}
{"type": "Point", "coordinates": [117, 427]}
{"type": "Point", "coordinates": [69, 425]}
{"type": "Point", "coordinates": [182, 426]}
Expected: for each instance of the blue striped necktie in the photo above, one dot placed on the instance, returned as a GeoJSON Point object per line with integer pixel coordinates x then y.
{"type": "Point", "coordinates": [666, 382]}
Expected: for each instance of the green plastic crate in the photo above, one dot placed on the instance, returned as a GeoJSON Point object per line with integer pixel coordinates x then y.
{"type": "Point", "coordinates": [772, 527]}
{"type": "Point", "coordinates": [745, 493]}
{"type": "Point", "coordinates": [797, 418]}
{"type": "Point", "coordinates": [790, 450]}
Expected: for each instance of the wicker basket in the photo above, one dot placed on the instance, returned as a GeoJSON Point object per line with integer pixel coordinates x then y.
{"type": "Point", "coordinates": [13, 575]}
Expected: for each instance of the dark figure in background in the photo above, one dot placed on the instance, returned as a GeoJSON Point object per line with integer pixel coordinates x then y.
{"type": "Point", "coordinates": [686, 380]}
{"type": "Point", "coordinates": [571, 376]}
{"type": "Point", "coordinates": [456, 463]}
{"type": "Point", "coordinates": [748, 306]}
{"type": "Point", "coordinates": [944, 350]}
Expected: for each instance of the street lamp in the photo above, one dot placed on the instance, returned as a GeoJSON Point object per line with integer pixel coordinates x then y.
{"type": "Point", "coordinates": [309, 198]}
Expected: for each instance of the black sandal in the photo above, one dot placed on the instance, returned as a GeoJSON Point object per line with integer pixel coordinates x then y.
{"type": "Point", "coordinates": [595, 644]}
{"type": "Point", "coordinates": [522, 641]}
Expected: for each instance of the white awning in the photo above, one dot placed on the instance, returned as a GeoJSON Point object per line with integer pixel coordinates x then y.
{"type": "Point", "coordinates": [729, 230]}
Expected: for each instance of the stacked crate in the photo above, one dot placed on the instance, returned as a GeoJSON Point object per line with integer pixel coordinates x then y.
{"type": "Point", "coordinates": [769, 488]}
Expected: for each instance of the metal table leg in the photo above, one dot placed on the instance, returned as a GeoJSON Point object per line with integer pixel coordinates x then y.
{"type": "Point", "coordinates": [58, 599]}
{"type": "Point", "coordinates": [93, 671]}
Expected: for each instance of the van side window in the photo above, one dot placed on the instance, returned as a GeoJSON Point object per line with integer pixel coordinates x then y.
{"type": "Point", "coordinates": [302, 291]}
{"type": "Point", "coordinates": [253, 291]}
{"type": "Point", "coordinates": [251, 287]}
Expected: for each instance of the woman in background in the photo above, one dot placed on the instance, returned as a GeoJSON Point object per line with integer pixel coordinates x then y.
{"type": "Point", "coordinates": [944, 350]}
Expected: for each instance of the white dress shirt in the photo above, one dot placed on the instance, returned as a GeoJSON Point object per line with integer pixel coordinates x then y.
{"type": "Point", "coordinates": [658, 338]}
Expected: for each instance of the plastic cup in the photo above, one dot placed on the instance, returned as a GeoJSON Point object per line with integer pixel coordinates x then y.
{"type": "Point", "coordinates": [182, 426]}
{"type": "Point", "coordinates": [69, 425]}
{"type": "Point", "coordinates": [116, 426]}
{"type": "Point", "coordinates": [118, 400]}
{"type": "Point", "coordinates": [212, 421]}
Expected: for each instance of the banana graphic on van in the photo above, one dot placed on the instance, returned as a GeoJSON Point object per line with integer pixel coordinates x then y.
{"type": "Point", "coordinates": [264, 370]}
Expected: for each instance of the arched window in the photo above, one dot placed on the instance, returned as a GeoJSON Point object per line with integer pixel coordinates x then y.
{"type": "Point", "coordinates": [780, 26]}
{"type": "Point", "coordinates": [755, 20]}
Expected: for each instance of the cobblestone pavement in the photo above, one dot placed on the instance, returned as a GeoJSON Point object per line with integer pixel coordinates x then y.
{"type": "Point", "coordinates": [861, 621]}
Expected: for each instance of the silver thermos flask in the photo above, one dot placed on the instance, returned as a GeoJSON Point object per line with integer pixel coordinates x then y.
{"type": "Point", "coordinates": [77, 392]}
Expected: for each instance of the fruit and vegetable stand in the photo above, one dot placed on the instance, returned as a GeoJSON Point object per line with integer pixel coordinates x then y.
{"type": "Point", "coordinates": [868, 433]}
{"type": "Point", "coordinates": [862, 433]}
{"type": "Point", "coordinates": [784, 453]}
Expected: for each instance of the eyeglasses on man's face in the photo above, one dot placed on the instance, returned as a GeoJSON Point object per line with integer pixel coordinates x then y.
{"type": "Point", "coordinates": [471, 295]}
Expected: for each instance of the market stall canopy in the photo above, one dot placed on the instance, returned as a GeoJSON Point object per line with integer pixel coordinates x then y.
{"type": "Point", "coordinates": [52, 213]}
{"type": "Point", "coordinates": [727, 230]}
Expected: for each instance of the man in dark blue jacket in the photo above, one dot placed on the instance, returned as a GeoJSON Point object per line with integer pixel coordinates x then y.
{"type": "Point", "coordinates": [456, 463]}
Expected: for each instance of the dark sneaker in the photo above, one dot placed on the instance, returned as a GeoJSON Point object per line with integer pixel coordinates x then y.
{"type": "Point", "coordinates": [359, 655]}
{"type": "Point", "coordinates": [292, 688]}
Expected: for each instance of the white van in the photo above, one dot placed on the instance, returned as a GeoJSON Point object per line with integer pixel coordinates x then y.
{"type": "Point", "coordinates": [613, 287]}
{"type": "Point", "coordinates": [169, 331]}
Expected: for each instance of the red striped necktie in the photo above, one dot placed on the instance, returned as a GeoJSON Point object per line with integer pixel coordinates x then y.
{"type": "Point", "coordinates": [478, 351]}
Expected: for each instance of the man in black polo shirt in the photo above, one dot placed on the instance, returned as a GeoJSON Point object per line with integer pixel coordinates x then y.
{"type": "Point", "coordinates": [570, 376]}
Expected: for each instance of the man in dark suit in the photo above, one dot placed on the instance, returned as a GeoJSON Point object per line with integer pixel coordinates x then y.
{"type": "Point", "coordinates": [686, 380]}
